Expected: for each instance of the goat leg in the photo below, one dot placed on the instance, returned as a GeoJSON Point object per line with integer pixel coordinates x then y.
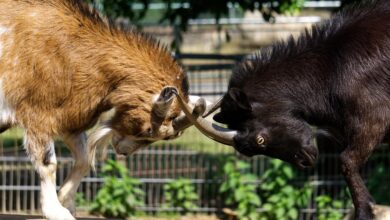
{"type": "Point", "coordinates": [76, 143]}
{"type": "Point", "coordinates": [352, 159]}
{"type": "Point", "coordinates": [41, 151]}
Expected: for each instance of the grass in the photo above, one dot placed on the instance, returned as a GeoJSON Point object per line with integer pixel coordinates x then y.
{"type": "Point", "coordinates": [11, 140]}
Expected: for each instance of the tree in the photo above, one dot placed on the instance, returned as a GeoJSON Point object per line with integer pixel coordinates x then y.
{"type": "Point", "coordinates": [178, 17]}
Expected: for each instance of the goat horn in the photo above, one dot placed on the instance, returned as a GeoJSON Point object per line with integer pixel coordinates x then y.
{"type": "Point", "coordinates": [212, 108]}
{"type": "Point", "coordinates": [182, 122]}
{"type": "Point", "coordinates": [161, 106]}
{"type": "Point", "coordinates": [213, 131]}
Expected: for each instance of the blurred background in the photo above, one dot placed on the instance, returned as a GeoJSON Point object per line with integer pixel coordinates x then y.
{"type": "Point", "coordinates": [194, 176]}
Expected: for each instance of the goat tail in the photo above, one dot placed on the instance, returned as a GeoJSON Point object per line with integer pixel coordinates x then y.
{"type": "Point", "coordinates": [98, 137]}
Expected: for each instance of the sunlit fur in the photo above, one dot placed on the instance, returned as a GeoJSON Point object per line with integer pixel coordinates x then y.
{"type": "Point", "coordinates": [62, 66]}
{"type": "Point", "coordinates": [67, 65]}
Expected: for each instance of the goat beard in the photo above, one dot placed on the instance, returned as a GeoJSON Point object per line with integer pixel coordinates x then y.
{"type": "Point", "coordinates": [99, 138]}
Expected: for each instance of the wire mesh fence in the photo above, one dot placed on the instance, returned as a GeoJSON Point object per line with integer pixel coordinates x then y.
{"type": "Point", "coordinates": [191, 156]}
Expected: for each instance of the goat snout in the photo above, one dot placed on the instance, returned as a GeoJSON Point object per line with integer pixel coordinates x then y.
{"type": "Point", "coordinates": [306, 157]}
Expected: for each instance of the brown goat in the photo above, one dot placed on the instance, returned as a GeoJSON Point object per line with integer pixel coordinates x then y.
{"type": "Point", "coordinates": [61, 67]}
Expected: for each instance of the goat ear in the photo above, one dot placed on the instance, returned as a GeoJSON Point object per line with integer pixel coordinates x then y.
{"type": "Point", "coordinates": [240, 99]}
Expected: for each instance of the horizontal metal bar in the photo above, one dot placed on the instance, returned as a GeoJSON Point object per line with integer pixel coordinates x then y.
{"type": "Point", "coordinates": [312, 211]}
{"type": "Point", "coordinates": [70, 159]}
{"type": "Point", "coordinates": [19, 188]}
{"type": "Point", "coordinates": [208, 93]}
{"type": "Point", "coordinates": [322, 4]}
{"type": "Point", "coordinates": [166, 209]}
{"type": "Point", "coordinates": [207, 181]}
{"type": "Point", "coordinates": [205, 67]}
{"type": "Point", "coordinates": [237, 21]}
{"type": "Point", "coordinates": [233, 57]}
{"type": "Point", "coordinates": [27, 159]}
{"type": "Point", "coordinates": [163, 6]}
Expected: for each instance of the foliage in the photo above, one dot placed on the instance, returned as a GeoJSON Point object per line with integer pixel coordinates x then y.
{"type": "Point", "coordinates": [328, 209]}
{"type": "Point", "coordinates": [239, 189]}
{"type": "Point", "coordinates": [281, 199]}
{"type": "Point", "coordinates": [181, 194]}
{"type": "Point", "coordinates": [80, 200]}
{"type": "Point", "coordinates": [291, 7]}
{"type": "Point", "coordinates": [120, 194]}
{"type": "Point", "coordinates": [179, 17]}
{"type": "Point", "coordinates": [191, 9]}
{"type": "Point", "coordinates": [377, 186]}
{"type": "Point", "coordinates": [121, 8]}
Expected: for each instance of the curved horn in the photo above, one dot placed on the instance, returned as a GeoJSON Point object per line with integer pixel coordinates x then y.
{"type": "Point", "coordinates": [161, 106]}
{"type": "Point", "coordinates": [182, 122]}
{"type": "Point", "coordinates": [214, 107]}
{"type": "Point", "coordinates": [213, 131]}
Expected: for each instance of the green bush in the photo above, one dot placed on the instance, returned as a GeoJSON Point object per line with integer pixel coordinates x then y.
{"type": "Point", "coordinates": [180, 194]}
{"type": "Point", "coordinates": [376, 184]}
{"type": "Point", "coordinates": [328, 208]}
{"type": "Point", "coordinates": [240, 190]}
{"type": "Point", "coordinates": [278, 198]}
{"type": "Point", "coordinates": [120, 195]}
{"type": "Point", "coordinates": [80, 200]}
{"type": "Point", "coordinates": [281, 199]}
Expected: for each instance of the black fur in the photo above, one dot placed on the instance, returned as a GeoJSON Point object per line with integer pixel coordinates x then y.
{"type": "Point", "coordinates": [334, 76]}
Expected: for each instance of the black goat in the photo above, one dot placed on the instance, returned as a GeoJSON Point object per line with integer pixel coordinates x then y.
{"type": "Point", "coordinates": [334, 76]}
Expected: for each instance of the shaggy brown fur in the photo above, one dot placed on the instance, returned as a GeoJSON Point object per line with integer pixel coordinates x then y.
{"type": "Point", "coordinates": [62, 65]}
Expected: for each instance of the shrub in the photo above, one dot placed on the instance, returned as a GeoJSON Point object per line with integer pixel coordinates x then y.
{"type": "Point", "coordinates": [240, 190]}
{"type": "Point", "coordinates": [80, 200]}
{"type": "Point", "coordinates": [328, 209]}
{"type": "Point", "coordinates": [376, 184]}
{"type": "Point", "coordinates": [281, 199]}
{"type": "Point", "coordinates": [120, 195]}
{"type": "Point", "coordinates": [180, 194]}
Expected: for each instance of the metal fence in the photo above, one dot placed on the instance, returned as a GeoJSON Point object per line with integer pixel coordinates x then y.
{"type": "Point", "coordinates": [156, 165]}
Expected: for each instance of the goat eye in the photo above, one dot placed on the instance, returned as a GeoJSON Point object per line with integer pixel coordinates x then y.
{"type": "Point", "coordinates": [260, 140]}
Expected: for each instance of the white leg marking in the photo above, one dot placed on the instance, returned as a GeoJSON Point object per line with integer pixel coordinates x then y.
{"type": "Point", "coordinates": [7, 113]}
{"type": "Point", "coordinates": [77, 145]}
{"type": "Point", "coordinates": [44, 159]}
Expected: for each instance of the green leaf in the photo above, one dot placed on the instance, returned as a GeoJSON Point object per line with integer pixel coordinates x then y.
{"type": "Point", "coordinates": [292, 214]}
{"type": "Point", "coordinates": [288, 172]}
{"type": "Point", "coordinates": [249, 178]}
{"type": "Point", "coordinates": [267, 207]}
{"type": "Point", "coordinates": [253, 216]}
{"type": "Point", "coordinates": [239, 194]}
{"type": "Point", "coordinates": [255, 200]}
{"type": "Point", "coordinates": [228, 168]}
{"type": "Point", "coordinates": [241, 165]}
{"type": "Point", "coordinates": [274, 198]}
{"type": "Point", "coordinates": [280, 212]}
{"type": "Point", "coordinates": [224, 187]}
